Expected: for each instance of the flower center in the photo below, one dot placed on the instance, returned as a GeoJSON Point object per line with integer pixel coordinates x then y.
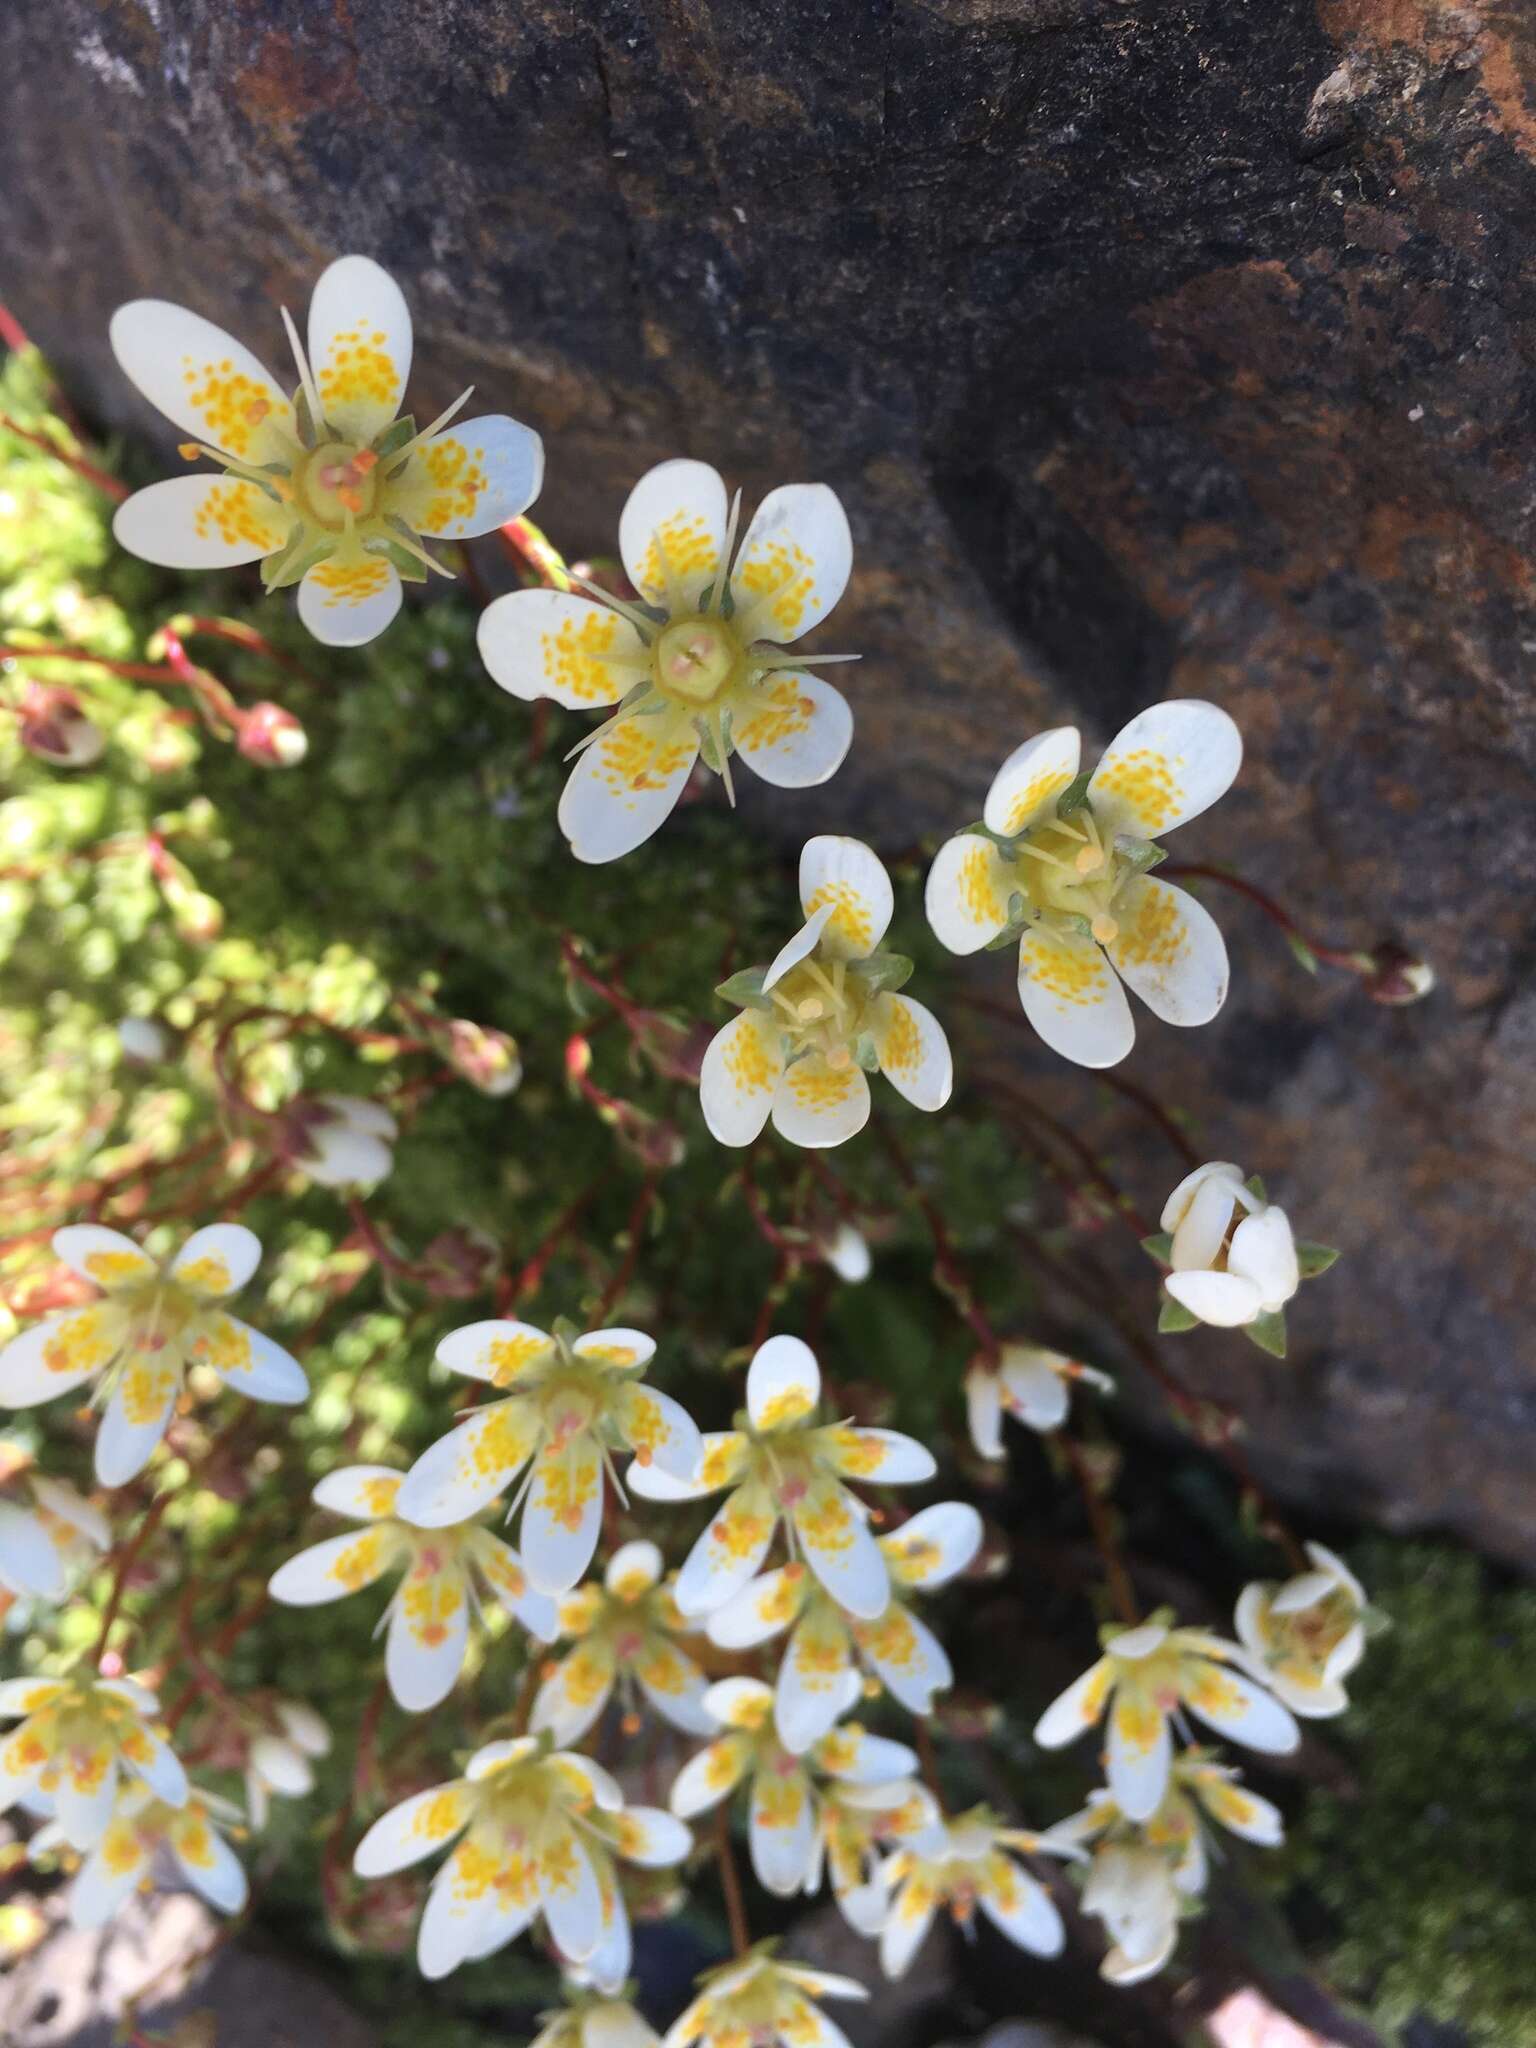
{"type": "Point", "coordinates": [695, 660]}
{"type": "Point", "coordinates": [336, 482]}
{"type": "Point", "coordinates": [1070, 869]}
{"type": "Point", "coordinates": [820, 1007]}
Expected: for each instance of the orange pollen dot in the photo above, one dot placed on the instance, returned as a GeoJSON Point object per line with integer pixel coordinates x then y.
{"type": "Point", "coordinates": [1166, 1699]}
{"type": "Point", "coordinates": [630, 1725]}
{"type": "Point", "coordinates": [838, 1058]}
{"type": "Point", "coordinates": [188, 450]}
{"type": "Point", "coordinates": [793, 1490]}
{"type": "Point", "coordinates": [794, 1571]}
{"type": "Point", "coordinates": [364, 460]}
{"type": "Point", "coordinates": [643, 1454]}
{"type": "Point", "coordinates": [1089, 858]}
{"type": "Point", "coordinates": [257, 410]}
{"type": "Point", "coordinates": [351, 497]}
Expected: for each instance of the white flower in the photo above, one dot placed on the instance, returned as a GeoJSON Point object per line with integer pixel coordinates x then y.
{"type": "Point", "coordinates": [784, 1467]}
{"type": "Point", "coordinates": [846, 1251]}
{"type": "Point", "coordinates": [1223, 1275]}
{"type": "Point", "coordinates": [783, 1830]}
{"type": "Point", "coordinates": [595, 2022]}
{"type": "Point", "coordinates": [343, 1141]}
{"type": "Point", "coordinates": [817, 1681]}
{"type": "Point", "coordinates": [79, 1739]}
{"type": "Point", "coordinates": [698, 664]}
{"type": "Point", "coordinates": [962, 1864]}
{"type": "Point", "coordinates": [444, 1569]}
{"type": "Point", "coordinates": [279, 1763]}
{"type": "Point", "coordinates": [42, 1547]}
{"type": "Point", "coordinates": [138, 1339]}
{"type": "Point", "coordinates": [625, 1623]}
{"type": "Point", "coordinates": [539, 1831]}
{"type": "Point", "coordinates": [144, 1830]}
{"type": "Point", "coordinates": [1149, 1672]}
{"type": "Point", "coordinates": [857, 1825]}
{"type": "Point", "coordinates": [1027, 1382]}
{"type": "Point", "coordinates": [756, 2002]}
{"type": "Point", "coordinates": [144, 1041]}
{"type": "Point", "coordinates": [1305, 1638]}
{"type": "Point", "coordinates": [1065, 863]}
{"type": "Point", "coordinates": [573, 1402]}
{"type": "Point", "coordinates": [1133, 1889]}
{"type": "Point", "coordinates": [330, 491]}
{"type": "Point", "coordinates": [821, 1014]}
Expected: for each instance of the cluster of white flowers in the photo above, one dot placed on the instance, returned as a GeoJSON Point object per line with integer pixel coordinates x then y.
{"type": "Point", "coordinates": [332, 491]}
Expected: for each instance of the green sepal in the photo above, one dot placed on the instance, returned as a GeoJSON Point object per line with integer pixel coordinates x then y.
{"type": "Point", "coordinates": [1268, 1332]}
{"type": "Point", "coordinates": [295, 569]}
{"type": "Point", "coordinates": [745, 989]}
{"type": "Point", "coordinates": [1173, 1317]}
{"type": "Point", "coordinates": [882, 973]}
{"type": "Point", "coordinates": [302, 419]}
{"type": "Point", "coordinates": [709, 753]}
{"type": "Point", "coordinates": [408, 567]}
{"type": "Point", "coordinates": [1303, 951]}
{"type": "Point", "coordinates": [1312, 1259]}
{"type": "Point", "coordinates": [863, 1050]}
{"type": "Point", "coordinates": [1139, 856]}
{"type": "Point", "coordinates": [1255, 1186]}
{"type": "Point", "coordinates": [1075, 796]}
{"type": "Point", "coordinates": [403, 430]}
{"type": "Point", "coordinates": [1008, 936]}
{"type": "Point", "coordinates": [1159, 1246]}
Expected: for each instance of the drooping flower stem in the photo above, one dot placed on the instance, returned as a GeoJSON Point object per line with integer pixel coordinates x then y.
{"type": "Point", "coordinates": [730, 1882]}
{"type": "Point", "coordinates": [127, 1557]}
{"type": "Point", "coordinates": [99, 477]}
{"type": "Point", "coordinates": [1118, 1579]}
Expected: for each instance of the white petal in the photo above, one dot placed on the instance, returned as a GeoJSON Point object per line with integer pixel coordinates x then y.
{"type": "Point", "coordinates": [722, 1463]}
{"type": "Point", "coordinates": [739, 1076]}
{"type": "Point", "coordinates": [658, 1430]}
{"type": "Point", "coordinates": [619, 1350]}
{"type": "Point", "coordinates": [59, 1354]}
{"type": "Point", "coordinates": [83, 1808]}
{"type": "Point", "coordinates": [652, 1838]}
{"type": "Point", "coordinates": [841, 1549]}
{"type": "Point", "coordinates": [366, 1492]}
{"type": "Point", "coordinates": [1240, 1811]}
{"type": "Point", "coordinates": [1078, 1709]}
{"type": "Point", "coordinates": [882, 1456]}
{"type": "Point", "coordinates": [1224, 1300]}
{"type": "Point", "coordinates": [1072, 997]}
{"type": "Point", "coordinates": [783, 1383]}
{"type": "Point", "coordinates": [800, 947]}
{"type": "Point", "coordinates": [570, 1894]}
{"type": "Point", "coordinates": [1202, 1220]}
{"type": "Point", "coordinates": [1170, 950]}
{"type": "Point", "coordinates": [1020, 1907]}
{"type": "Point", "coordinates": [585, 1778]}
{"type": "Point", "coordinates": [1264, 1251]}
{"type": "Point", "coordinates": [903, 1933]}
{"type": "Point", "coordinates": [967, 895]}
{"type": "Point", "coordinates": [1034, 1390]}
{"type": "Point", "coordinates": [207, 1862]}
{"type": "Point", "coordinates": [23, 1696]}
{"type": "Point", "coordinates": [201, 522]}
{"type": "Point", "coordinates": [913, 1051]}
{"type": "Point", "coordinates": [672, 533]}
{"type": "Point", "coordinates": [30, 1565]}
{"type": "Point", "coordinates": [709, 1776]}
{"type": "Point", "coordinates": [793, 565]}
{"type": "Point", "coordinates": [473, 477]}
{"type": "Point", "coordinates": [935, 1545]}
{"type": "Point", "coordinates": [760, 1611]}
{"type": "Point", "coordinates": [907, 1656]}
{"type": "Point", "coordinates": [502, 1569]}
{"type": "Point", "coordinates": [633, 1569]}
{"type": "Point", "coordinates": [217, 1260]}
{"type": "Point", "coordinates": [428, 1635]}
{"type": "Point", "coordinates": [466, 1469]}
{"type": "Point", "coordinates": [575, 1693]}
{"type": "Point", "coordinates": [204, 380]}
{"type": "Point", "coordinates": [341, 1565]}
{"type": "Point", "coordinates": [349, 600]}
{"type": "Point", "coordinates": [796, 732]}
{"type": "Point", "coordinates": [817, 1106]}
{"type": "Point", "coordinates": [304, 1728]}
{"type": "Point", "coordinates": [852, 878]}
{"type": "Point", "coordinates": [813, 1679]}
{"type": "Point", "coordinates": [107, 1877]}
{"type": "Point", "coordinates": [284, 1768]}
{"type": "Point", "coordinates": [250, 1363]}
{"type": "Point", "coordinates": [563, 1516]}
{"type": "Point", "coordinates": [1024, 790]}
{"type": "Point", "coordinates": [859, 1759]}
{"type": "Point", "coordinates": [1138, 1754]}
{"type": "Point", "coordinates": [1240, 1709]}
{"type": "Point", "coordinates": [674, 1687]}
{"type": "Point", "coordinates": [359, 346]}
{"type": "Point", "coordinates": [499, 1351]}
{"type": "Point", "coordinates": [782, 1830]}
{"type": "Point", "coordinates": [460, 1902]}
{"type": "Point", "coordinates": [984, 1410]}
{"type": "Point", "coordinates": [729, 1553]}
{"type": "Point", "coordinates": [552, 643]}
{"type": "Point", "coordinates": [135, 1421]}
{"type": "Point", "coordinates": [1168, 765]}
{"type": "Point", "coordinates": [105, 1257]}
{"type": "Point", "coordinates": [626, 785]}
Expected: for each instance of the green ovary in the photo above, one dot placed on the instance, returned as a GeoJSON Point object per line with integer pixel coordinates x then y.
{"type": "Point", "coordinates": [821, 1006]}
{"type": "Point", "coordinates": [696, 660]}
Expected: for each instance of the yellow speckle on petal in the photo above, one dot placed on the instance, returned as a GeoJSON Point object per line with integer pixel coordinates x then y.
{"type": "Point", "coordinates": [231, 405]}
{"type": "Point", "coordinates": [348, 583]}
{"type": "Point", "coordinates": [1157, 933]}
{"type": "Point", "coordinates": [1145, 781]}
{"type": "Point", "coordinates": [1033, 798]}
{"type": "Point", "coordinates": [902, 1050]}
{"type": "Point", "coordinates": [785, 576]}
{"type": "Point", "coordinates": [458, 481]}
{"type": "Point", "coordinates": [112, 1269]}
{"type": "Point", "coordinates": [681, 546]}
{"type": "Point", "coordinates": [573, 656]}
{"type": "Point", "coordinates": [850, 918]}
{"type": "Point", "coordinates": [358, 367]}
{"type": "Point", "coordinates": [239, 515]}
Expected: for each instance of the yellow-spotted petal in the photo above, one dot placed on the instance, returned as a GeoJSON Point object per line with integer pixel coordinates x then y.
{"type": "Point", "coordinates": [552, 643]}
{"type": "Point", "coordinates": [627, 783]}
{"type": "Point", "coordinates": [883, 1456]}
{"type": "Point", "coordinates": [1024, 790]}
{"type": "Point", "coordinates": [935, 1545]}
{"type": "Point", "coordinates": [499, 1351]}
{"type": "Point", "coordinates": [782, 1830]}
{"type": "Point", "coordinates": [729, 1552]}
{"type": "Point", "coordinates": [783, 1383]}
{"type": "Point", "coordinates": [616, 1350]}
{"type": "Point", "coordinates": [207, 1862]}
{"type": "Point", "coordinates": [466, 1469]}
{"type": "Point", "coordinates": [472, 478]}
{"type": "Point", "coordinates": [722, 1463]}
{"type": "Point", "coordinates": [502, 1570]}
{"type": "Point", "coordinates": [1018, 1906]}
{"type": "Point", "coordinates": [816, 1105]}
{"type": "Point", "coordinates": [204, 380]}
{"type": "Point", "coordinates": [841, 1550]}
{"type": "Point", "coordinates": [969, 892]}
{"type": "Point", "coordinates": [658, 1430]}
{"type": "Point", "coordinates": [359, 346]}
{"type": "Point", "coordinates": [761, 1610]}
{"type": "Point", "coordinates": [793, 564]}
{"type": "Point", "coordinates": [1168, 765]}
{"type": "Point", "coordinates": [109, 1874]}
{"type": "Point", "coordinates": [428, 1634]}
{"type": "Point", "coordinates": [201, 522]}
{"type": "Point", "coordinates": [350, 599]}
{"type": "Point", "coordinates": [250, 1363]}
{"type": "Point", "coordinates": [709, 1776]}
{"type": "Point", "coordinates": [217, 1261]}
{"type": "Point", "coordinates": [569, 1893]}
{"type": "Point", "coordinates": [136, 1419]}
{"type": "Point", "coordinates": [815, 1679]}
{"type": "Point", "coordinates": [575, 1693]}
{"type": "Point", "coordinates": [417, 1827]}
{"type": "Point", "coordinates": [340, 1565]}
{"type": "Point", "coordinates": [906, 1655]}
{"type": "Point", "coordinates": [59, 1354]}
{"type": "Point", "coordinates": [1238, 1708]}
{"type": "Point", "coordinates": [564, 1513]}
{"type": "Point", "coordinates": [1170, 950]}
{"type": "Point", "coordinates": [852, 878]}
{"type": "Point", "coordinates": [739, 1076]}
{"type": "Point", "coordinates": [1079, 1708]}
{"type": "Point", "coordinates": [106, 1257]}
{"type": "Point", "coordinates": [795, 730]}
{"type": "Point", "coordinates": [367, 1492]}
{"type": "Point", "coordinates": [1138, 1754]}
{"type": "Point", "coordinates": [1072, 996]}
{"type": "Point", "coordinates": [912, 1050]}
{"type": "Point", "coordinates": [672, 533]}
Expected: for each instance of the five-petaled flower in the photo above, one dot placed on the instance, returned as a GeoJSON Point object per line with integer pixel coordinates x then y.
{"type": "Point", "coordinates": [962, 1864]}
{"type": "Point", "coordinates": [329, 490]}
{"type": "Point", "coordinates": [817, 1678]}
{"type": "Point", "coordinates": [1232, 1252]}
{"type": "Point", "coordinates": [136, 1342]}
{"type": "Point", "coordinates": [782, 1466]}
{"type": "Point", "coordinates": [757, 2002]}
{"type": "Point", "coordinates": [444, 1568]}
{"type": "Point", "coordinates": [698, 665]}
{"type": "Point", "coordinates": [1027, 1382]}
{"type": "Point", "coordinates": [79, 1739]}
{"type": "Point", "coordinates": [1305, 1637]}
{"type": "Point", "coordinates": [626, 1623]}
{"type": "Point", "coordinates": [1144, 1676]}
{"type": "Point", "coordinates": [593, 2021]}
{"type": "Point", "coordinates": [783, 1829]}
{"type": "Point", "coordinates": [573, 1402]}
{"type": "Point", "coordinates": [144, 1831]}
{"type": "Point", "coordinates": [1062, 859]}
{"type": "Point", "coordinates": [823, 1015]}
{"type": "Point", "coordinates": [538, 1830]}
{"type": "Point", "coordinates": [44, 1544]}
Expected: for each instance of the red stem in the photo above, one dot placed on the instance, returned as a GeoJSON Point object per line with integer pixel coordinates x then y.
{"type": "Point", "coordinates": [77, 463]}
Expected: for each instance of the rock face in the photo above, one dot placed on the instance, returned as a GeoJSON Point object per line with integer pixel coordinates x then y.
{"type": "Point", "coordinates": [1157, 346]}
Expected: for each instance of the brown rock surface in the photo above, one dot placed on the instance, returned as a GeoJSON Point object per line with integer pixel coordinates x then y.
{"type": "Point", "coordinates": [1157, 346]}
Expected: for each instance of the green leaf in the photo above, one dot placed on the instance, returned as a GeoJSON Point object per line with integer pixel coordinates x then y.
{"type": "Point", "coordinates": [1255, 1186]}
{"type": "Point", "coordinates": [1173, 1317]}
{"type": "Point", "coordinates": [1303, 951]}
{"type": "Point", "coordinates": [1159, 1246]}
{"type": "Point", "coordinates": [745, 989]}
{"type": "Point", "coordinates": [403, 430]}
{"type": "Point", "coordinates": [1075, 796]}
{"type": "Point", "coordinates": [1312, 1259]}
{"type": "Point", "coordinates": [1268, 1332]}
{"type": "Point", "coordinates": [882, 972]}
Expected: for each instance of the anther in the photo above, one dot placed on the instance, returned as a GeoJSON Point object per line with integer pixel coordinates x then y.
{"type": "Point", "coordinates": [1105, 929]}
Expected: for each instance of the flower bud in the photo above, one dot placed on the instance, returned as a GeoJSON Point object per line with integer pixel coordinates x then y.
{"type": "Point", "coordinates": [488, 1060]}
{"type": "Point", "coordinates": [341, 1141]}
{"type": "Point", "coordinates": [1398, 976]}
{"type": "Point", "coordinates": [54, 728]}
{"type": "Point", "coordinates": [272, 737]}
{"type": "Point", "coordinates": [143, 1041]}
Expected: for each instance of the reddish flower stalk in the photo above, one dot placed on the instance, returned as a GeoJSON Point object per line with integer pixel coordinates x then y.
{"type": "Point", "coordinates": [128, 1557]}
{"type": "Point", "coordinates": [99, 477]}
{"type": "Point", "coordinates": [186, 624]}
{"type": "Point", "coordinates": [730, 1881]}
{"type": "Point", "coordinates": [614, 1291]}
{"type": "Point", "coordinates": [527, 1282]}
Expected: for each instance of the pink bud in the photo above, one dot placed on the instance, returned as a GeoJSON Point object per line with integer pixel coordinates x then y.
{"type": "Point", "coordinates": [272, 737]}
{"type": "Point", "coordinates": [55, 728]}
{"type": "Point", "coordinates": [488, 1059]}
{"type": "Point", "coordinates": [1398, 976]}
